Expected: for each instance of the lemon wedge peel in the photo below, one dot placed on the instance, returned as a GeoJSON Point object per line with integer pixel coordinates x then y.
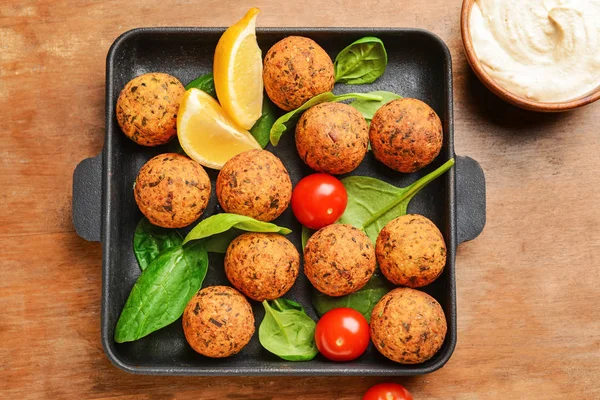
{"type": "Point", "coordinates": [237, 71]}
{"type": "Point", "coordinates": [207, 134]}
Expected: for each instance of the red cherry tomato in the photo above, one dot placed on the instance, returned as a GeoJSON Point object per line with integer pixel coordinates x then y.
{"type": "Point", "coordinates": [319, 200]}
{"type": "Point", "coordinates": [342, 334]}
{"type": "Point", "coordinates": [388, 391]}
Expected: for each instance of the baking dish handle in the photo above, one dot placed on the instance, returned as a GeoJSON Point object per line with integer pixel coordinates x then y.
{"type": "Point", "coordinates": [470, 198]}
{"type": "Point", "coordinates": [87, 198]}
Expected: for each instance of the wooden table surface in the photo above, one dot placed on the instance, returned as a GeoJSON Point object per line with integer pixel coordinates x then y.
{"type": "Point", "coordinates": [528, 287]}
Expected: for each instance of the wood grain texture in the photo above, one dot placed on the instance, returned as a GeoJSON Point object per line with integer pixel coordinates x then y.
{"type": "Point", "coordinates": [528, 287]}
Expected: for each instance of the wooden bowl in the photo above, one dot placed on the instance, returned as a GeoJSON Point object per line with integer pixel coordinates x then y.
{"type": "Point", "coordinates": [501, 92]}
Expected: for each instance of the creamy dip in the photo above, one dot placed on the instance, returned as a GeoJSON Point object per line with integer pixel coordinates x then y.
{"type": "Point", "coordinates": [543, 50]}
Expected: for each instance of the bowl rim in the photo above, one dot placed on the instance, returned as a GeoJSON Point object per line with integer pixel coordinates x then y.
{"type": "Point", "coordinates": [499, 90]}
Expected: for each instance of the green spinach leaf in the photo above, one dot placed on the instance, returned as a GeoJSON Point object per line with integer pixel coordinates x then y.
{"type": "Point", "coordinates": [286, 120]}
{"type": "Point", "coordinates": [361, 62]}
{"type": "Point", "coordinates": [220, 242]}
{"type": "Point", "coordinates": [282, 304]}
{"type": "Point", "coordinates": [150, 240]}
{"type": "Point", "coordinates": [262, 128]}
{"type": "Point", "coordinates": [368, 108]}
{"type": "Point", "coordinates": [363, 300]}
{"type": "Point", "coordinates": [373, 203]}
{"type": "Point", "coordinates": [287, 331]}
{"type": "Point", "coordinates": [162, 291]}
{"type": "Point", "coordinates": [219, 223]}
{"type": "Point", "coordinates": [205, 83]}
{"type": "Point", "coordinates": [306, 234]}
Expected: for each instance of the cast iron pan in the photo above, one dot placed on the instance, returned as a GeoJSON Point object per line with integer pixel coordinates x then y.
{"type": "Point", "coordinates": [104, 208]}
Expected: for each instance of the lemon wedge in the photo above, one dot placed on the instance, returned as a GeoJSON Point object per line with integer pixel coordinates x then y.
{"type": "Point", "coordinates": [207, 134]}
{"type": "Point", "coordinates": [237, 71]}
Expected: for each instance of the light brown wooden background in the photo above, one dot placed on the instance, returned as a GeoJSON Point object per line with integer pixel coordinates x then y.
{"type": "Point", "coordinates": [528, 287]}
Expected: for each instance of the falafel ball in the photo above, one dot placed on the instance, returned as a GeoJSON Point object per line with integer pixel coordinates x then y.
{"type": "Point", "coordinates": [256, 184]}
{"type": "Point", "coordinates": [296, 69]}
{"type": "Point", "coordinates": [411, 251]}
{"type": "Point", "coordinates": [218, 322]}
{"type": "Point", "coordinates": [339, 259]}
{"type": "Point", "coordinates": [263, 266]}
{"type": "Point", "coordinates": [147, 108]}
{"type": "Point", "coordinates": [406, 135]}
{"type": "Point", "coordinates": [408, 326]}
{"type": "Point", "coordinates": [172, 190]}
{"type": "Point", "coordinates": [332, 138]}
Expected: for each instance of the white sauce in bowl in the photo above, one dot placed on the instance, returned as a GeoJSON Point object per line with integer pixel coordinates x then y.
{"type": "Point", "coordinates": [543, 50]}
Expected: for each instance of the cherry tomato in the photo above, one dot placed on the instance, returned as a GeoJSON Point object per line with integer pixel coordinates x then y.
{"type": "Point", "coordinates": [319, 200]}
{"type": "Point", "coordinates": [388, 391]}
{"type": "Point", "coordinates": [342, 334]}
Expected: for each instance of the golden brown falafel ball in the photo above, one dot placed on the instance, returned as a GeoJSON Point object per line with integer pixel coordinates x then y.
{"type": "Point", "coordinates": [406, 135]}
{"type": "Point", "coordinates": [339, 259]}
{"type": "Point", "coordinates": [408, 326]}
{"type": "Point", "coordinates": [263, 266]}
{"type": "Point", "coordinates": [147, 108]}
{"type": "Point", "coordinates": [171, 190]}
{"type": "Point", "coordinates": [411, 251]}
{"type": "Point", "coordinates": [332, 138]}
{"type": "Point", "coordinates": [256, 184]}
{"type": "Point", "coordinates": [296, 69]}
{"type": "Point", "coordinates": [218, 322]}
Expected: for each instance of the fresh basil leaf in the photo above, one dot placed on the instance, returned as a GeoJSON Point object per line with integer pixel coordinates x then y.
{"type": "Point", "coordinates": [306, 234]}
{"type": "Point", "coordinates": [162, 291]}
{"type": "Point", "coordinates": [150, 240]}
{"type": "Point", "coordinates": [368, 108]}
{"type": "Point", "coordinates": [205, 83]}
{"type": "Point", "coordinates": [361, 62]}
{"type": "Point", "coordinates": [220, 223]}
{"type": "Point", "coordinates": [287, 331]}
{"type": "Point", "coordinates": [363, 300]}
{"type": "Point", "coordinates": [262, 128]}
{"type": "Point", "coordinates": [286, 120]}
{"type": "Point", "coordinates": [373, 203]}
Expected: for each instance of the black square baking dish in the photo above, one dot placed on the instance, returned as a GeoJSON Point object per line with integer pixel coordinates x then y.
{"type": "Point", "coordinates": [104, 208]}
